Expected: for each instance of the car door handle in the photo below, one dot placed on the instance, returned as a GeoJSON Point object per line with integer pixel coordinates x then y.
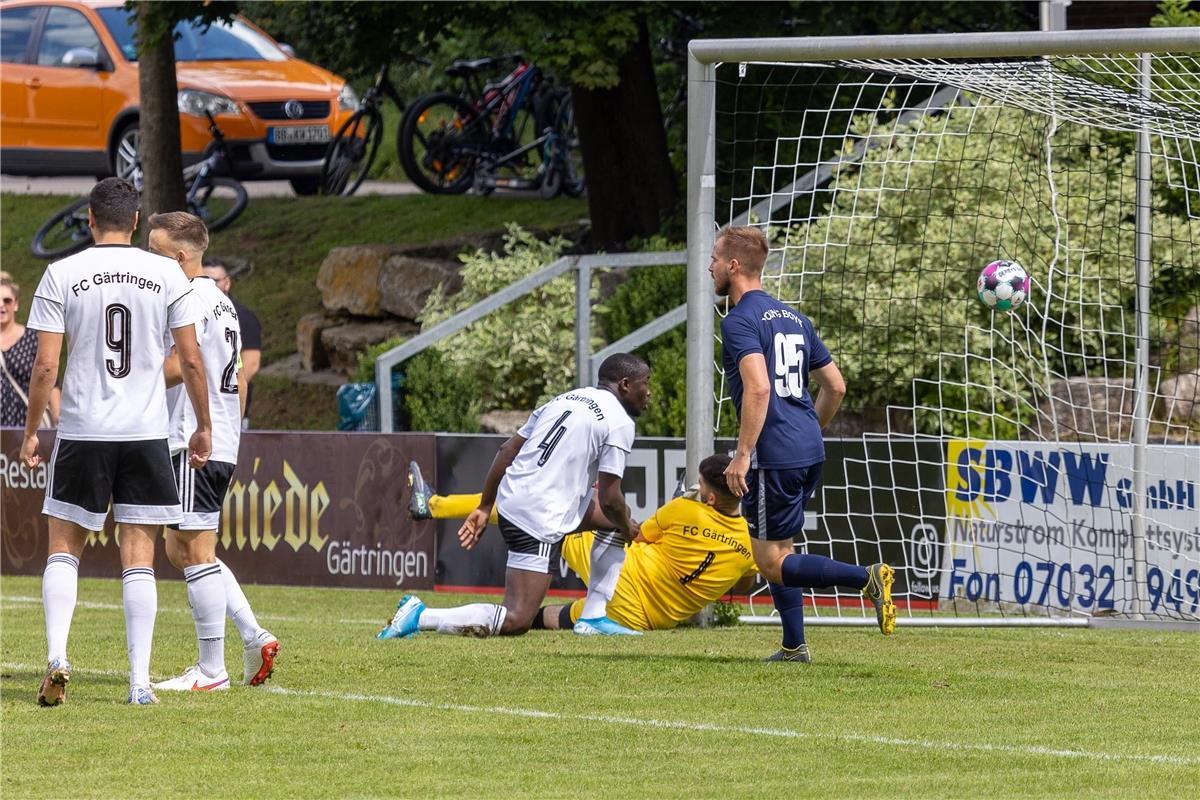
{"type": "Point", "coordinates": [33, 83]}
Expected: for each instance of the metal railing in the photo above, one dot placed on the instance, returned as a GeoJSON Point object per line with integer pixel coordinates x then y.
{"type": "Point", "coordinates": [586, 362]}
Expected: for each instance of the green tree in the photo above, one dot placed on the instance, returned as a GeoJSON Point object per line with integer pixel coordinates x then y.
{"type": "Point", "coordinates": [159, 146]}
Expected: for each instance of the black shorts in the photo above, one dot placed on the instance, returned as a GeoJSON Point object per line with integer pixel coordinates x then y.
{"type": "Point", "coordinates": [201, 492]}
{"type": "Point", "coordinates": [774, 505]}
{"type": "Point", "coordinates": [526, 552]}
{"type": "Point", "coordinates": [135, 476]}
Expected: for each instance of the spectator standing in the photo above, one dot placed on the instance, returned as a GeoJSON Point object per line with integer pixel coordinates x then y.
{"type": "Point", "coordinates": [18, 348]}
{"type": "Point", "coordinates": [251, 330]}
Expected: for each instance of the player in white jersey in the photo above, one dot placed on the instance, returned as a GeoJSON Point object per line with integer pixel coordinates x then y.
{"type": "Point", "coordinates": [192, 544]}
{"type": "Point", "coordinates": [541, 483]}
{"type": "Point", "coordinates": [114, 304]}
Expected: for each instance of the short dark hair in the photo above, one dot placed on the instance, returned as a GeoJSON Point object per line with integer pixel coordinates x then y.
{"type": "Point", "coordinates": [619, 366]}
{"type": "Point", "coordinates": [712, 469]}
{"type": "Point", "coordinates": [114, 203]}
{"type": "Point", "coordinates": [182, 228]}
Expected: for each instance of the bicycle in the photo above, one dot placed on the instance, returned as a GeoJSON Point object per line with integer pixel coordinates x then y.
{"type": "Point", "coordinates": [352, 151]}
{"type": "Point", "coordinates": [518, 133]}
{"type": "Point", "coordinates": [210, 195]}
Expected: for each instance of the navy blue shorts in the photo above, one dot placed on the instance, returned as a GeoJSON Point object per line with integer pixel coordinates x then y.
{"type": "Point", "coordinates": [774, 506]}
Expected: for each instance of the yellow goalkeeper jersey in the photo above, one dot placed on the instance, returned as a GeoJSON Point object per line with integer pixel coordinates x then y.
{"type": "Point", "coordinates": [693, 555]}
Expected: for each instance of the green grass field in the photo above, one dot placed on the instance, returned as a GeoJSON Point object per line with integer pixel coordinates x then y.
{"type": "Point", "coordinates": [689, 713]}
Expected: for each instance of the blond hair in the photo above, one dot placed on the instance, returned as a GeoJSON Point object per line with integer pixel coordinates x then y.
{"type": "Point", "coordinates": [7, 280]}
{"type": "Point", "coordinates": [182, 228]}
{"type": "Point", "coordinates": [746, 244]}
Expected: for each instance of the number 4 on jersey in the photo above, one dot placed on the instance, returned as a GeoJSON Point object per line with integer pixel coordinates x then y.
{"type": "Point", "coordinates": [551, 438]}
{"type": "Point", "coordinates": [789, 364]}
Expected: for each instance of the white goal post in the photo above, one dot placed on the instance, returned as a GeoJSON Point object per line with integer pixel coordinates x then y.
{"type": "Point", "coordinates": [1034, 467]}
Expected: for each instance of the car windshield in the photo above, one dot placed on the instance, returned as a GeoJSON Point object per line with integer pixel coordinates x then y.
{"type": "Point", "coordinates": [195, 41]}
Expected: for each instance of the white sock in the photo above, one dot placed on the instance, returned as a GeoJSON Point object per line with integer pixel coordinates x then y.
{"type": "Point", "coordinates": [477, 618]}
{"type": "Point", "coordinates": [237, 606]}
{"type": "Point", "coordinates": [139, 595]}
{"type": "Point", "coordinates": [60, 587]}
{"type": "Point", "coordinates": [608, 554]}
{"type": "Point", "coordinates": [206, 596]}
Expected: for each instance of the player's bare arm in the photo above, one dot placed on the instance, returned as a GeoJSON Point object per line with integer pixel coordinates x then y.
{"type": "Point", "coordinates": [477, 520]}
{"type": "Point", "coordinates": [756, 396]}
{"type": "Point", "coordinates": [612, 503]}
{"type": "Point", "coordinates": [192, 367]}
{"type": "Point", "coordinates": [172, 372]}
{"type": "Point", "coordinates": [833, 390]}
{"type": "Point", "coordinates": [41, 384]}
{"type": "Point", "coordinates": [243, 382]}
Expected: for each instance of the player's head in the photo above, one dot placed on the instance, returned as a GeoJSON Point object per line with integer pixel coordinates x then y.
{"type": "Point", "coordinates": [10, 299]}
{"type": "Point", "coordinates": [738, 253]}
{"type": "Point", "coordinates": [215, 268]}
{"type": "Point", "coordinates": [180, 236]}
{"type": "Point", "coordinates": [713, 488]}
{"type": "Point", "coordinates": [628, 377]}
{"type": "Point", "coordinates": [113, 207]}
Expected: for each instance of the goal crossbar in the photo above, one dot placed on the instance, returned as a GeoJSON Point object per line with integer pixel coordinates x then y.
{"type": "Point", "coordinates": [947, 45]}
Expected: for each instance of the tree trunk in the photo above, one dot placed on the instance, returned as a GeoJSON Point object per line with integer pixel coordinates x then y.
{"type": "Point", "coordinates": [630, 183]}
{"type": "Point", "coordinates": [159, 149]}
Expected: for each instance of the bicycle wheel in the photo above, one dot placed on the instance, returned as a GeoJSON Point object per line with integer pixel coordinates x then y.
{"type": "Point", "coordinates": [440, 137]}
{"type": "Point", "coordinates": [573, 182]}
{"type": "Point", "coordinates": [65, 233]}
{"type": "Point", "coordinates": [350, 155]}
{"type": "Point", "coordinates": [219, 201]}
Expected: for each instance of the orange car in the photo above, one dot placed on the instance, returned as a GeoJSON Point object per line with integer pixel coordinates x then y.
{"type": "Point", "coordinates": [70, 94]}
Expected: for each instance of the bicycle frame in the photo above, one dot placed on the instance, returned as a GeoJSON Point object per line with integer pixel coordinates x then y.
{"type": "Point", "coordinates": [505, 99]}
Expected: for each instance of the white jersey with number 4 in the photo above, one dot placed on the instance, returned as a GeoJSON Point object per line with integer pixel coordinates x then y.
{"type": "Point", "coordinates": [547, 489]}
{"type": "Point", "coordinates": [115, 304]}
{"type": "Point", "coordinates": [220, 340]}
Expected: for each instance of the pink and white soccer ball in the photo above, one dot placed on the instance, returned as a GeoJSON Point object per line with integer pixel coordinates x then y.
{"type": "Point", "coordinates": [1003, 285]}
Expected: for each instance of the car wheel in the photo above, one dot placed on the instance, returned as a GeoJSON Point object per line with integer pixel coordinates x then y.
{"type": "Point", "coordinates": [125, 151]}
{"type": "Point", "coordinates": [306, 184]}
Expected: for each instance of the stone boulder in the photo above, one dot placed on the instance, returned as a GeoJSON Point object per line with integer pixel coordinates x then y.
{"type": "Point", "coordinates": [1181, 396]}
{"type": "Point", "coordinates": [406, 281]}
{"type": "Point", "coordinates": [349, 278]}
{"type": "Point", "coordinates": [1087, 410]}
{"type": "Point", "coordinates": [344, 342]}
{"type": "Point", "coordinates": [1189, 341]}
{"type": "Point", "coordinates": [503, 421]}
{"type": "Point", "coordinates": [309, 328]}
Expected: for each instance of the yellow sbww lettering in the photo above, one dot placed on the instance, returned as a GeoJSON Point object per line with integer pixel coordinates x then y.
{"type": "Point", "coordinates": [250, 512]}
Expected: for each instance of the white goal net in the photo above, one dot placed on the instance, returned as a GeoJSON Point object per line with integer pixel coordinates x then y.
{"type": "Point", "coordinates": [1042, 463]}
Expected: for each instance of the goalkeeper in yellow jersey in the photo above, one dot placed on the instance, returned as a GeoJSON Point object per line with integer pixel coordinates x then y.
{"type": "Point", "coordinates": [692, 551]}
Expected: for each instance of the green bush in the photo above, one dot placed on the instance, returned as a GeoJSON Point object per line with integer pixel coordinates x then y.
{"type": "Point", "coordinates": [429, 395]}
{"type": "Point", "coordinates": [524, 354]}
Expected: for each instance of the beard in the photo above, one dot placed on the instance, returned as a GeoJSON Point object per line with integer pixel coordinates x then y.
{"type": "Point", "coordinates": [721, 286]}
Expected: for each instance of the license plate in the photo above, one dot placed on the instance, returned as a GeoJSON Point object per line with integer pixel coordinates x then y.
{"type": "Point", "coordinates": [299, 134]}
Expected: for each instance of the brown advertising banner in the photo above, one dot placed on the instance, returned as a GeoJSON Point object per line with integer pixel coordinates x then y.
{"type": "Point", "coordinates": [307, 509]}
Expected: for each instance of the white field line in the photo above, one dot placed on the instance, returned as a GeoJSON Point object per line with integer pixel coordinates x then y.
{"type": "Point", "coordinates": [778, 733]}
{"type": "Point", "coordinates": [26, 600]}
{"type": "Point", "coordinates": [697, 727]}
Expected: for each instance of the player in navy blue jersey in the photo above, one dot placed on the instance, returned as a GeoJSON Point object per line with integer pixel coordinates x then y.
{"type": "Point", "coordinates": [769, 353]}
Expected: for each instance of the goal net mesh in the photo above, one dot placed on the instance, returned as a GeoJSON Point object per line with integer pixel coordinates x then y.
{"type": "Point", "coordinates": [989, 456]}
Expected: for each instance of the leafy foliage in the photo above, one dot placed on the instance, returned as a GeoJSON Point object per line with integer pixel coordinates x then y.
{"type": "Point", "coordinates": [1175, 14]}
{"type": "Point", "coordinates": [523, 355]}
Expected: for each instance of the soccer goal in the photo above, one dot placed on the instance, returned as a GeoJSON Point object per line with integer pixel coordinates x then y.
{"type": "Point", "coordinates": [1035, 466]}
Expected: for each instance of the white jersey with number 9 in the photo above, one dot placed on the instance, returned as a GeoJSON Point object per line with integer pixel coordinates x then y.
{"type": "Point", "coordinates": [115, 304]}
